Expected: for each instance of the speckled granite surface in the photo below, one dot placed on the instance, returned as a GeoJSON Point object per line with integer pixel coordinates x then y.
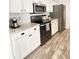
{"type": "Point", "coordinates": [23, 27]}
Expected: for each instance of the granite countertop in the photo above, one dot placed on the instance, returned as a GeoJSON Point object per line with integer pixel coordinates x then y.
{"type": "Point", "coordinates": [22, 27]}
{"type": "Point", "coordinates": [53, 18]}
{"type": "Point", "coordinates": [25, 26]}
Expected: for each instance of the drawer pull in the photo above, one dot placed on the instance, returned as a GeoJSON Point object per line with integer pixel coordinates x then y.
{"type": "Point", "coordinates": [22, 33]}
{"type": "Point", "coordinates": [24, 10]}
{"type": "Point", "coordinates": [34, 28]}
{"type": "Point", "coordinates": [30, 35]}
{"type": "Point", "coordinates": [52, 22]}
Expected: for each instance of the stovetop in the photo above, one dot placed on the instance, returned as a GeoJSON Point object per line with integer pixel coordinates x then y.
{"type": "Point", "coordinates": [38, 19]}
{"type": "Point", "coordinates": [42, 22]}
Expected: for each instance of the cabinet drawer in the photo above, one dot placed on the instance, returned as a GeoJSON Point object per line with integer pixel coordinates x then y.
{"type": "Point", "coordinates": [54, 21]}
{"type": "Point", "coordinates": [34, 29]}
{"type": "Point", "coordinates": [26, 32]}
{"type": "Point", "coordinates": [16, 36]}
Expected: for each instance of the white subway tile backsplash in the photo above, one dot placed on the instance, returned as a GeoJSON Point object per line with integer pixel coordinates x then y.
{"type": "Point", "coordinates": [24, 17]}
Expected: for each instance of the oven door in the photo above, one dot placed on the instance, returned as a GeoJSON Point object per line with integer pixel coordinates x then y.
{"type": "Point", "coordinates": [43, 30]}
{"type": "Point", "coordinates": [48, 28]}
{"type": "Point", "coordinates": [45, 33]}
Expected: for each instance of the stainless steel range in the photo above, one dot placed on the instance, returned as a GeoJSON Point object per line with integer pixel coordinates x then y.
{"type": "Point", "coordinates": [45, 28]}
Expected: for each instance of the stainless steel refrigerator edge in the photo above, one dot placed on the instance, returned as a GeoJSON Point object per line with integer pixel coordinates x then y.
{"type": "Point", "coordinates": [59, 11]}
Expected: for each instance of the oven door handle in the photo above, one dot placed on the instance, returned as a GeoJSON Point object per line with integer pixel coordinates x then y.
{"type": "Point", "coordinates": [43, 25]}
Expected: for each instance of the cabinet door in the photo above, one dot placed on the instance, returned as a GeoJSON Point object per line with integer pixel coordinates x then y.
{"type": "Point", "coordinates": [34, 40]}
{"type": "Point", "coordinates": [11, 56]}
{"type": "Point", "coordinates": [50, 6]}
{"type": "Point", "coordinates": [15, 6]}
{"type": "Point", "coordinates": [16, 50]}
{"type": "Point", "coordinates": [35, 1]}
{"type": "Point", "coordinates": [27, 6]}
{"type": "Point", "coordinates": [43, 1]}
{"type": "Point", "coordinates": [23, 44]}
{"type": "Point", "coordinates": [54, 26]}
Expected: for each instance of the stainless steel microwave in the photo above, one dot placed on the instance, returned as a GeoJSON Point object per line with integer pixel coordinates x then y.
{"type": "Point", "coordinates": [39, 8]}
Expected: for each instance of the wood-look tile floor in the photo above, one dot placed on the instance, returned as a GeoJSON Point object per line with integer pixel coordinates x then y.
{"type": "Point", "coordinates": [58, 47]}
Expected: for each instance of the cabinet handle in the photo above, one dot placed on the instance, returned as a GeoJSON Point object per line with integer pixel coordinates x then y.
{"type": "Point", "coordinates": [30, 35]}
{"type": "Point", "coordinates": [42, 25]}
{"type": "Point", "coordinates": [34, 28]}
{"type": "Point", "coordinates": [21, 9]}
{"type": "Point", "coordinates": [24, 10]}
{"type": "Point", "coordinates": [22, 33]}
{"type": "Point", "coordinates": [52, 22]}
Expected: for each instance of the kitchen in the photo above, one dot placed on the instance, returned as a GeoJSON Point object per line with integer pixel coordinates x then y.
{"type": "Point", "coordinates": [33, 23]}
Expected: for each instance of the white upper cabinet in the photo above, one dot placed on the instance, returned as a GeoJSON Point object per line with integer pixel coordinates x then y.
{"type": "Point", "coordinates": [39, 1]}
{"type": "Point", "coordinates": [43, 1]}
{"type": "Point", "coordinates": [27, 6]}
{"type": "Point", "coordinates": [49, 6]}
{"type": "Point", "coordinates": [18, 6]}
{"type": "Point", "coordinates": [15, 6]}
{"type": "Point", "coordinates": [35, 1]}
